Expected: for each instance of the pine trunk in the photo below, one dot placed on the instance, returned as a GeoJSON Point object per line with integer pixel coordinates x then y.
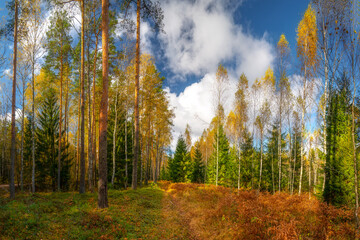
{"type": "Point", "coordinates": [136, 107]}
{"type": "Point", "coordinates": [82, 126]}
{"type": "Point", "coordinates": [13, 133]}
{"type": "Point", "coordinates": [60, 120]}
{"type": "Point", "coordinates": [102, 195]}
{"type": "Point", "coordinates": [114, 142]}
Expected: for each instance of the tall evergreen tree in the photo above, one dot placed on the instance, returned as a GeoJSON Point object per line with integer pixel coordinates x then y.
{"type": "Point", "coordinates": [178, 165]}
{"type": "Point", "coordinates": [338, 167]}
{"type": "Point", "coordinates": [47, 135]}
{"type": "Point", "coordinates": [197, 175]}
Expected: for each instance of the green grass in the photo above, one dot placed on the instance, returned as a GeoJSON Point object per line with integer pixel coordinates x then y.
{"type": "Point", "coordinates": [131, 215]}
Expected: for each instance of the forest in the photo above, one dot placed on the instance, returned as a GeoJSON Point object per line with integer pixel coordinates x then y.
{"type": "Point", "coordinates": [87, 131]}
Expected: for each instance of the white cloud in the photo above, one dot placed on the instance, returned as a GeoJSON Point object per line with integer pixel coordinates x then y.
{"type": "Point", "coordinates": [194, 106]}
{"type": "Point", "coordinates": [199, 34]}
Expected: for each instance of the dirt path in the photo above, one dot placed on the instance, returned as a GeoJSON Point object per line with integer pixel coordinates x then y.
{"type": "Point", "coordinates": [174, 226]}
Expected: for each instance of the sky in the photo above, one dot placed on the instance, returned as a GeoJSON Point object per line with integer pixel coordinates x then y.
{"type": "Point", "coordinates": [200, 34]}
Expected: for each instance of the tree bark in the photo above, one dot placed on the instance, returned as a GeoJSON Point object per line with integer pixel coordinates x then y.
{"type": "Point", "coordinates": [261, 159]}
{"type": "Point", "coordinates": [22, 136]}
{"type": "Point", "coordinates": [93, 153]}
{"type": "Point", "coordinates": [60, 118]}
{"type": "Point", "coordinates": [136, 107]}
{"type": "Point", "coordinates": [126, 160]}
{"type": "Point", "coordinates": [13, 134]}
{"type": "Point", "coordinates": [114, 141]}
{"type": "Point", "coordinates": [356, 187]}
{"type": "Point", "coordinates": [102, 196]}
{"type": "Point", "coordinates": [82, 126]}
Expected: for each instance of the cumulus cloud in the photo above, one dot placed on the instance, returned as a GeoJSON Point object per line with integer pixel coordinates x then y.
{"type": "Point", "coordinates": [199, 34]}
{"type": "Point", "coordinates": [194, 106]}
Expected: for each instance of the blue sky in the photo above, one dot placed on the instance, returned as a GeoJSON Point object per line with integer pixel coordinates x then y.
{"type": "Point", "coordinates": [200, 34]}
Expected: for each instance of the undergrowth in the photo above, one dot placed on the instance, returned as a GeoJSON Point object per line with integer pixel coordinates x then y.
{"type": "Point", "coordinates": [131, 215]}
{"type": "Point", "coordinates": [222, 213]}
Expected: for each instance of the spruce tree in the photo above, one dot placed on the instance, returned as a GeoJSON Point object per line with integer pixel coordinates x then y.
{"type": "Point", "coordinates": [47, 136]}
{"type": "Point", "coordinates": [177, 166]}
{"type": "Point", "coordinates": [338, 167]}
{"type": "Point", "coordinates": [197, 175]}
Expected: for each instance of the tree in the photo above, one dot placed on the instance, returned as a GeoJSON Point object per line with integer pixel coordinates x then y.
{"type": "Point", "coordinates": [241, 116]}
{"type": "Point", "coordinates": [13, 101]}
{"type": "Point", "coordinates": [188, 137]}
{"type": "Point", "coordinates": [220, 89]}
{"type": "Point", "coordinates": [307, 54]}
{"type": "Point", "coordinates": [48, 140]}
{"type": "Point", "coordinates": [31, 44]}
{"type": "Point", "coordinates": [283, 52]}
{"type": "Point", "coordinates": [197, 175]}
{"type": "Point", "coordinates": [177, 165]}
{"type": "Point", "coordinates": [150, 11]}
{"type": "Point", "coordinates": [261, 123]}
{"type": "Point", "coordinates": [57, 62]}
{"type": "Point", "coordinates": [339, 173]}
{"type": "Point", "coordinates": [102, 192]}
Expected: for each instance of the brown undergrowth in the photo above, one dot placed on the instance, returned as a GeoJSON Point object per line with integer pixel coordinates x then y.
{"type": "Point", "coordinates": [211, 212]}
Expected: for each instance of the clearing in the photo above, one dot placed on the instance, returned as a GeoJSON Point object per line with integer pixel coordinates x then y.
{"type": "Point", "coordinates": [173, 211]}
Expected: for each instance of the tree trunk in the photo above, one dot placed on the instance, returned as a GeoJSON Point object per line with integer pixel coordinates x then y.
{"type": "Point", "coordinates": [33, 127]}
{"type": "Point", "coordinates": [261, 159]}
{"type": "Point", "coordinates": [93, 152]}
{"type": "Point", "coordinates": [60, 118]}
{"type": "Point", "coordinates": [126, 160]}
{"type": "Point", "coordinates": [239, 172]}
{"type": "Point", "coordinates": [290, 147]}
{"type": "Point", "coordinates": [13, 134]}
{"type": "Point", "coordinates": [356, 187]}
{"type": "Point", "coordinates": [22, 137]}
{"type": "Point", "coordinates": [302, 132]}
{"type": "Point", "coordinates": [272, 171]}
{"type": "Point", "coordinates": [114, 141]}
{"type": "Point", "coordinates": [217, 153]}
{"type": "Point", "coordinates": [279, 140]}
{"type": "Point", "coordinates": [82, 126]}
{"type": "Point", "coordinates": [136, 107]}
{"type": "Point", "coordinates": [102, 196]}
{"type": "Point", "coordinates": [90, 156]}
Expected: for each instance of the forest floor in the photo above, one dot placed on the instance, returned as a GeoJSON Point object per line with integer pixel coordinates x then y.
{"type": "Point", "coordinates": [172, 211]}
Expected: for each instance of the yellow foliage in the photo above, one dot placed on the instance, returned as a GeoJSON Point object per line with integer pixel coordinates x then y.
{"type": "Point", "coordinates": [307, 38]}
{"type": "Point", "coordinates": [269, 78]}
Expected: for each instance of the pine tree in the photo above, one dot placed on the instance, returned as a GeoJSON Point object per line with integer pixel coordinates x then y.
{"type": "Point", "coordinates": [178, 165]}
{"type": "Point", "coordinates": [197, 175]}
{"type": "Point", "coordinates": [47, 135]}
{"type": "Point", "coordinates": [338, 167]}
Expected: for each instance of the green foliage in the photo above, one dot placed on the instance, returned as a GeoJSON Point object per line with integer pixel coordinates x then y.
{"type": "Point", "coordinates": [58, 44]}
{"type": "Point", "coordinates": [339, 184]}
{"type": "Point", "coordinates": [224, 160]}
{"type": "Point", "coordinates": [180, 165]}
{"type": "Point", "coordinates": [47, 139]}
{"type": "Point", "coordinates": [197, 175]}
{"type": "Point", "coordinates": [247, 154]}
{"type": "Point", "coordinates": [120, 175]}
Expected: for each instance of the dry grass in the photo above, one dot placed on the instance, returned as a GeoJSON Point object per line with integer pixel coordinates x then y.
{"type": "Point", "coordinates": [221, 213]}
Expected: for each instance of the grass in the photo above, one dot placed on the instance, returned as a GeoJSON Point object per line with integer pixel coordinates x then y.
{"type": "Point", "coordinates": [173, 211]}
{"type": "Point", "coordinates": [131, 215]}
